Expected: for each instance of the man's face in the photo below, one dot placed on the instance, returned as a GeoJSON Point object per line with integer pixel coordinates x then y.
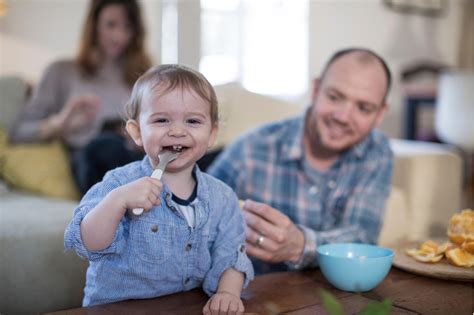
{"type": "Point", "coordinates": [347, 105]}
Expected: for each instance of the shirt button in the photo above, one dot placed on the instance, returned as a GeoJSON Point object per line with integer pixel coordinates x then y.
{"type": "Point", "coordinates": [154, 228]}
{"type": "Point", "coordinates": [187, 280]}
{"type": "Point", "coordinates": [332, 184]}
{"type": "Point", "coordinates": [188, 247]}
{"type": "Point", "coordinates": [313, 190]}
{"type": "Point", "coordinates": [242, 248]}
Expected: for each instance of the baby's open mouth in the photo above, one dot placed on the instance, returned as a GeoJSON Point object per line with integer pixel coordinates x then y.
{"type": "Point", "coordinates": [175, 148]}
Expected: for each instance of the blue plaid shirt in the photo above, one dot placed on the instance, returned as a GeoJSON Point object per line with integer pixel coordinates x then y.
{"type": "Point", "coordinates": [157, 253]}
{"type": "Point", "coordinates": [343, 204]}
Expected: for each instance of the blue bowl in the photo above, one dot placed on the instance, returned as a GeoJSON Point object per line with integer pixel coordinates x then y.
{"type": "Point", "coordinates": [354, 267]}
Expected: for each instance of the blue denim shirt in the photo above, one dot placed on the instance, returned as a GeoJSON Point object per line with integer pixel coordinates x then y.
{"type": "Point", "coordinates": [157, 253]}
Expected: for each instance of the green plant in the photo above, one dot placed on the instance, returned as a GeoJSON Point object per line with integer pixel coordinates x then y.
{"type": "Point", "coordinates": [334, 307]}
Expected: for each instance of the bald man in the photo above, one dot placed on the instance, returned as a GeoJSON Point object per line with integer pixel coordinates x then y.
{"type": "Point", "coordinates": [319, 178]}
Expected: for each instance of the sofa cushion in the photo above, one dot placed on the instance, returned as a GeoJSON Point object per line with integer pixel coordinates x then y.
{"type": "Point", "coordinates": [36, 274]}
{"type": "Point", "coordinates": [41, 168]}
{"type": "Point", "coordinates": [241, 110]}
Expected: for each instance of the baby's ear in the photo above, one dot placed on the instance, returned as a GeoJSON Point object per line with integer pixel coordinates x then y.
{"type": "Point", "coordinates": [133, 129]}
{"type": "Point", "coordinates": [212, 136]}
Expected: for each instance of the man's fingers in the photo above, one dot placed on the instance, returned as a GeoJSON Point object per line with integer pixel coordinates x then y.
{"type": "Point", "coordinates": [257, 252]}
{"type": "Point", "coordinates": [267, 242]}
{"type": "Point", "coordinates": [261, 226]}
{"type": "Point", "coordinates": [265, 211]}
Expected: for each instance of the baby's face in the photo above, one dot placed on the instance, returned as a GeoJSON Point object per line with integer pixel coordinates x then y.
{"type": "Point", "coordinates": [179, 120]}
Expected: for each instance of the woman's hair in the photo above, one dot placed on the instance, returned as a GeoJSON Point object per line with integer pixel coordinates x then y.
{"type": "Point", "coordinates": [135, 59]}
{"type": "Point", "coordinates": [167, 78]}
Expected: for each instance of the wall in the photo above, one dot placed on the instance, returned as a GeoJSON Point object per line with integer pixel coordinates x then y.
{"type": "Point", "coordinates": [36, 32]}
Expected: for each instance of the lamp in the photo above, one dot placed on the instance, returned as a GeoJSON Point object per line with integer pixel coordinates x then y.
{"type": "Point", "coordinates": [454, 119]}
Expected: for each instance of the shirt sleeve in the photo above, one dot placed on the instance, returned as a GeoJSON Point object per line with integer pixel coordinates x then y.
{"type": "Point", "coordinates": [363, 212]}
{"type": "Point", "coordinates": [72, 235]}
{"type": "Point", "coordinates": [47, 99]}
{"type": "Point", "coordinates": [228, 250]}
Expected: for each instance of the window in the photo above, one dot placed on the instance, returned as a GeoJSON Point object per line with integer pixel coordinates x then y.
{"type": "Point", "coordinates": [261, 44]}
{"type": "Point", "coordinates": [169, 33]}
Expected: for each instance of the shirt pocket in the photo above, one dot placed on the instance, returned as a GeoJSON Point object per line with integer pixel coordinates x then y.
{"type": "Point", "coordinates": [150, 241]}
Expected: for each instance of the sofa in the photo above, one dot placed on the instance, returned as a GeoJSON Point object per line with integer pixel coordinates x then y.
{"type": "Point", "coordinates": [37, 275]}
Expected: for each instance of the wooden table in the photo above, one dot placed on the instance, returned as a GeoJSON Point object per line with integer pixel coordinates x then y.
{"type": "Point", "coordinates": [298, 293]}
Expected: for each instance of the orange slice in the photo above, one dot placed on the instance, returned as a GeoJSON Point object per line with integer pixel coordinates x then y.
{"type": "Point", "coordinates": [460, 258]}
{"type": "Point", "coordinates": [425, 257]}
{"type": "Point", "coordinates": [461, 227]}
{"type": "Point", "coordinates": [429, 247]}
{"type": "Point", "coordinates": [468, 246]}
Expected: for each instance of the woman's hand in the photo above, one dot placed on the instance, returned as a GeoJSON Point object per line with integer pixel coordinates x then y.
{"type": "Point", "coordinates": [78, 113]}
{"type": "Point", "coordinates": [223, 303]}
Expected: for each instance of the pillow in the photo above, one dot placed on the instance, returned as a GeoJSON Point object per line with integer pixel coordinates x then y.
{"type": "Point", "coordinates": [41, 168]}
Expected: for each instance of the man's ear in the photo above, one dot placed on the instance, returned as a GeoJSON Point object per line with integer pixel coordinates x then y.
{"type": "Point", "coordinates": [381, 114]}
{"type": "Point", "coordinates": [315, 88]}
{"type": "Point", "coordinates": [133, 129]}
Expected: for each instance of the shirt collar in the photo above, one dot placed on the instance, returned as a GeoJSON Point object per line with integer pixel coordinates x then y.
{"type": "Point", "coordinates": [361, 148]}
{"type": "Point", "coordinates": [146, 165]}
{"type": "Point", "coordinates": [292, 149]}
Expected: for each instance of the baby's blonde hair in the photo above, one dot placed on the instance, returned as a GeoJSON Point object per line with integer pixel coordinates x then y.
{"type": "Point", "coordinates": [171, 76]}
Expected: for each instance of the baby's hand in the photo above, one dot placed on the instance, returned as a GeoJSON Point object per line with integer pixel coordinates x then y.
{"type": "Point", "coordinates": [142, 193]}
{"type": "Point", "coordinates": [224, 303]}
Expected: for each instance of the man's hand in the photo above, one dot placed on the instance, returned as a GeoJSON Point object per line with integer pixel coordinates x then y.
{"type": "Point", "coordinates": [271, 235]}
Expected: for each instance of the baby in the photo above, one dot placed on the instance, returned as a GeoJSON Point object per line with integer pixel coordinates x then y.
{"type": "Point", "coordinates": [191, 233]}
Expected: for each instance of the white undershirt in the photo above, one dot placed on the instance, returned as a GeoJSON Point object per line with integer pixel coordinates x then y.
{"type": "Point", "coordinates": [188, 213]}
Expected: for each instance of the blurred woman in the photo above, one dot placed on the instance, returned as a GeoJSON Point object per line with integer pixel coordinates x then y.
{"type": "Point", "coordinates": [80, 101]}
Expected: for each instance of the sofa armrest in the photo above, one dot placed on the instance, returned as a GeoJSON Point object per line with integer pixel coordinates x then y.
{"type": "Point", "coordinates": [395, 221]}
{"type": "Point", "coordinates": [430, 177]}
{"type": "Point", "coordinates": [241, 110]}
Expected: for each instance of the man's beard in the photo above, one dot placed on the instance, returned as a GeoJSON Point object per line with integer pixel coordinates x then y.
{"type": "Point", "coordinates": [313, 138]}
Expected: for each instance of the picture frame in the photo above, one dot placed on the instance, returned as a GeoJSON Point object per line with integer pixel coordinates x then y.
{"type": "Point", "coordinates": [430, 8]}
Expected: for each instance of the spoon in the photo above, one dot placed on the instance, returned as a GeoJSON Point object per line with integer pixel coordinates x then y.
{"type": "Point", "coordinates": [164, 157]}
